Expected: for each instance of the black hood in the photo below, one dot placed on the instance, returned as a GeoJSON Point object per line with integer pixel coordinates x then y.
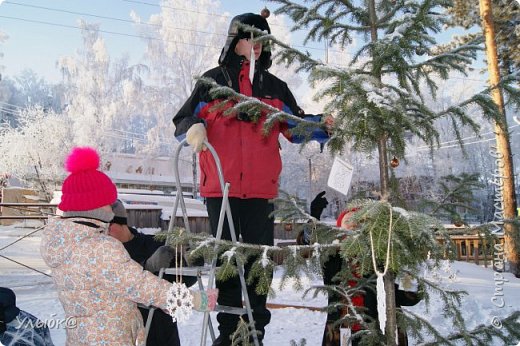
{"type": "Point", "coordinates": [8, 305]}
{"type": "Point", "coordinates": [236, 32]}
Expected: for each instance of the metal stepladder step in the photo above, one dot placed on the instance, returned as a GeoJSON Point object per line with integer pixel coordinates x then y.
{"type": "Point", "coordinates": [225, 211]}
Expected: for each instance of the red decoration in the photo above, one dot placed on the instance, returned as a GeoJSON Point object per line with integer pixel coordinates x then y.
{"type": "Point", "coordinates": [394, 162]}
{"type": "Point", "coordinates": [265, 13]}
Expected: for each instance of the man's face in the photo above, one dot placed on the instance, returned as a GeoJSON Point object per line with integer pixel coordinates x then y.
{"type": "Point", "coordinates": [243, 48]}
{"type": "Point", "coordinates": [346, 223]}
{"type": "Point", "coordinates": [117, 231]}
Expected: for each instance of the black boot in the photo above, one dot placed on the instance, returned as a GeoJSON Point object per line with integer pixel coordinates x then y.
{"type": "Point", "coordinates": [222, 340]}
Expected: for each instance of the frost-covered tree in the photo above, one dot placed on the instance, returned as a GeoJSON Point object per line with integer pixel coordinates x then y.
{"type": "Point", "coordinates": [101, 94]}
{"type": "Point", "coordinates": [34, 150]}
{"type": "Point", "coordinates": [180, 45]}
{"type": "Point", "coordinates": [33, 90]}
{"type": "Point", "coordinates": [24, 90]}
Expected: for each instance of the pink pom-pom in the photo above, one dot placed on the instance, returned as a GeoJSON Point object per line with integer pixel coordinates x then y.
{"type": "Point", "coordinates": [82, 159]}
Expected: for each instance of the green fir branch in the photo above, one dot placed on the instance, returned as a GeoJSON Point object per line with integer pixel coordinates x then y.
{"type": "Point", "coordinates": [254, 108]}
{"type": "Point", "coordinates": [454, 191]}
{"type": "Point", "coordinates": [243, 334]}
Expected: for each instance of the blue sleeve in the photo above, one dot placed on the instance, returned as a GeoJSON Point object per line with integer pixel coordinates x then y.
{"type": "Point", "coordinates": [316, 133]}
{"type": "Point", "coordinates": [190, 111]}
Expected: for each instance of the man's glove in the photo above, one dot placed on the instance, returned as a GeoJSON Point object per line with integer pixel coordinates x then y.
{"type": "Point", "coordinates": [318, 204]}
{"type": "Point", "coordinates": [304, 237]}
{"type": "Point", "coordinates": [161, 258]}
{"type": "Point", "coordinates": [196, 136]}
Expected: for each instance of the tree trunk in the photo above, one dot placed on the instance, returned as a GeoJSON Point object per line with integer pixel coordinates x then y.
{"type": "Point", "coordinates": [383, 166]}
{"type": "Point", "coordinates": [502, 139]}
{"type": "Point", "coordinates": [391, 319]}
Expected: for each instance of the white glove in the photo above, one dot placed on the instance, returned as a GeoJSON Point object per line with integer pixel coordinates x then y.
{"type": "Point", "coordinates": [196, 136]}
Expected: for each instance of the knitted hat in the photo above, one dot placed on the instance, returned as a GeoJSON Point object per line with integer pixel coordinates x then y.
{"type": "Point", "coordinates": [236, 32]}
{"type": "Point", "coordinates": [343, 213]}
{"type": "Point", "coordinates": [85, 189]}
{"type": "Point", "coordinates": [8, 304]}
{"type": "Point", "coordinates": [120, 215]}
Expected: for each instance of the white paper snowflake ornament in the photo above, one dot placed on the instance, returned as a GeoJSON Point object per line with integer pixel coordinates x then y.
{"type": "Point", "coordinates": [179, 302]}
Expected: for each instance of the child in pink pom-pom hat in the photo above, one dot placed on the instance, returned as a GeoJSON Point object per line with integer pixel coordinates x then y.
{"type": "Point", "coordinates": [98, 283]}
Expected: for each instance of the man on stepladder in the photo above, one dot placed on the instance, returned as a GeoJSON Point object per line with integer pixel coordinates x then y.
{"type": "Point", "coordinates": [250, 158]}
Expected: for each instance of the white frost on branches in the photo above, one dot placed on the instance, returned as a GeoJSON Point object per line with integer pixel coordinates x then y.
{"type": "Point", "coordinates": [382, 97]}
{"type": "Point", "coordinates": [101, 94]}
{"type": "Point", "coordinates": [181, 46]}
{"type": "Point", "coordinates": [404, 213]}
{"type": "Point", "coordinates": [265, 257]}
{"type": "Point", "coordinates": [405, 22]}
{"type": "Point", "coordinates": [229, 254]}
{"type": "Point", "coordinates": [34, 151]}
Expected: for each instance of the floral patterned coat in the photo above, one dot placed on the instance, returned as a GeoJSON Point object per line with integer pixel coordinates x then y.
{"type": "Point", "coordinates": [98, 283]}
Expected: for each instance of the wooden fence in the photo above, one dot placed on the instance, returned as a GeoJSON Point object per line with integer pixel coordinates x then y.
{"type": "Point", "coordinates": [473, 248]}
{"type": "Point", "coordinates": [197, 224]}
{"type": "Point", "coordinates": [144, 218]}
{"type": "Point", "coordinates": [26, 211]}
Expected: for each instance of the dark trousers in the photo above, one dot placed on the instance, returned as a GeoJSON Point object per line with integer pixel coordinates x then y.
{"type": "Point", "coordinates": [331, 267]}
{"type": "Point", "coordinates": [251, 220]}
{"type": "Point", "coordinates": [163, 331]}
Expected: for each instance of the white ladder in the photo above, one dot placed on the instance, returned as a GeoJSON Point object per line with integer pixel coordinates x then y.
{"type": "Point", "coordinates": [225, 211]}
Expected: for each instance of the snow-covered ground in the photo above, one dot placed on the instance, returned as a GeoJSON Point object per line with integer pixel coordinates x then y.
{"type": "Point", "coordinates": [37, 295]}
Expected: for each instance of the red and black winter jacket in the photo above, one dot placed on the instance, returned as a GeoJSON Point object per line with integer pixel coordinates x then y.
{"type": "Point", "coordinates": [250, 158]}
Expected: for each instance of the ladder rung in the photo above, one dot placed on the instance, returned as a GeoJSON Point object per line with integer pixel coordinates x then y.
{"type": "Point", "coordinates": [219, 308]}
{"type": "Point", "coordinates": [230, 310]}
{"type": "Point", "coordinates": [188, 271]}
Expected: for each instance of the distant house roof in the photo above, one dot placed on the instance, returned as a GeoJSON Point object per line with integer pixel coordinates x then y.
{"type": "Point", "coordinates": [136, 170]}
{"type": "Point", "coordinates": [147, 179]}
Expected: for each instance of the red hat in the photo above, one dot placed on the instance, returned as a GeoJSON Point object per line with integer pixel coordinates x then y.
{"type": "Point", "coordinates": [343, 213]}
{"type": "Point", "coordinates": [85, 188]}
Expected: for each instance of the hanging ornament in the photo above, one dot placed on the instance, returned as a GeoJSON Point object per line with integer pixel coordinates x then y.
{"type": "Point", "coordinates": [179, 300]}
{"type": "Point", "coordinates": [381, 301]}
{"type": "Point", "coordinates": [380, 286]}
{"type": "Point", "coordinates": [265, 13]}
{"type": "Point", "coordinates": [394, 162]}
{"type": "Point", "coordinates": [179, 304]}
{"type": "Point", "coordinates": [252, 60]}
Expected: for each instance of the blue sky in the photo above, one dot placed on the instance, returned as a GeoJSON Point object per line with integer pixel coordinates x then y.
{"type": "Point", "coordinates": [42, 31]}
